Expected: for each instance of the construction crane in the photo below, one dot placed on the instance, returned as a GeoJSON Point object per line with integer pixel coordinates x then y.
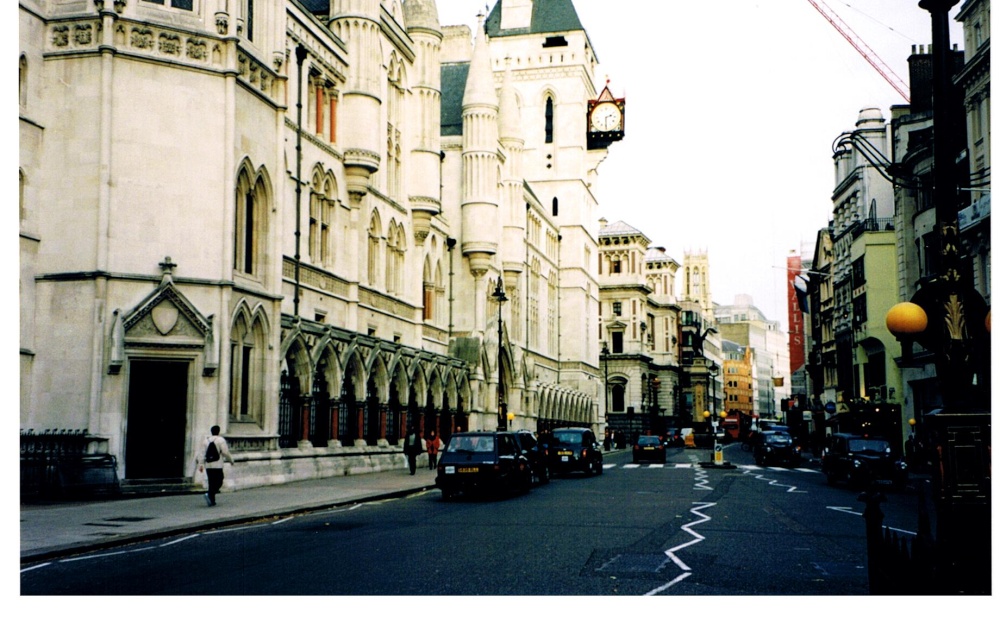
{"type": "Point", "coordinates": [867, 52]}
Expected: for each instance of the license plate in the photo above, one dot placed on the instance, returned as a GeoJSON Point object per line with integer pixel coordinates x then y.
{"type": "Point", "coordinates": [649, 448]}
{"type": "Point", "coordinates": [565, 459]}
{"type": "Point", "coordinates": [564, 453]}
{"type": "Point", "coordinates": [468, 470]}
{"type": "Point", "coordinates": [881, 481]}
{"type": "Point", "coordinates": [448, 470]}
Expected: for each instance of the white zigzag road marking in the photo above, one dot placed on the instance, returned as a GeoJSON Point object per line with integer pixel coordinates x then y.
{"type": "Point", "coordinates": [701, 480]}
{"type": "Point", "coordinates": [791, 489]}
{"type": "Point", "coordinates": [671, 553]}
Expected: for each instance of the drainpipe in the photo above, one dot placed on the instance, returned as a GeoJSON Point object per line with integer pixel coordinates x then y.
{"type": "Point", "coordinates": [451, 284]}
{"type": "Point", "coordinates": [559, 310]}
{"type": "Point", "coordinates": [300, 56]}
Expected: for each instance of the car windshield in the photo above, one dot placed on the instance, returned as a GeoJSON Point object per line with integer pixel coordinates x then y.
{"type": "Point", "coordinates": [568, 438]}
{"type": "Point", "coordinates": [778, 438]}
{"type": "Point", "coordinates": [471, 443]}
{"type": "Point", "coordinates": [868, 445]}
{"type": "Point", "coordinates": [649, 440]}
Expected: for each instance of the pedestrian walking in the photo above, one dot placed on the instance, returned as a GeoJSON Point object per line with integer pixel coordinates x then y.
{"type": "Point", "coordinates": [214, 453]}
{"type": "Point", "coordinates": [412, 447]}
{"type": "Point", "coordinates": [433, 447]}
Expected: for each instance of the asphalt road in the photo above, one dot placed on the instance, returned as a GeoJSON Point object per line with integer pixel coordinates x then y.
{"type": "Point", "coordinates": [676, 529]}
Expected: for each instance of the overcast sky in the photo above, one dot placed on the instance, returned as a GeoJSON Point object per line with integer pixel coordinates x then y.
{"type": "Point", "coordinates": [731, 110]}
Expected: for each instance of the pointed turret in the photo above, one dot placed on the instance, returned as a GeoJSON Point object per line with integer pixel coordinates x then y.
{"type": "Point", "coordinates": [424, 180]}
{"type": "Point", "coordinates": [512, 212]}
{"type": "Point", "coordinates": [480, 127]}
{"type": "Point", "coordinates": [510, 113]}
{"type": "Point", "coordinates": [359, 22]}
{"type": "Point", "coordinates": [421, 15]}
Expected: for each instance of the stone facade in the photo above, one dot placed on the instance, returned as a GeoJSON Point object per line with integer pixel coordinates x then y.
{"type": "Point", "coordinates": [288, 218]}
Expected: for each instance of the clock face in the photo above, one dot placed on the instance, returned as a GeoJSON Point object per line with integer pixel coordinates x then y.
{"type": "Point", "coordinates": [606, 117]}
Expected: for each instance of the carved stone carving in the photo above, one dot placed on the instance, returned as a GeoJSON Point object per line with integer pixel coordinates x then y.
{"type": "Point", "coordinates": [170, 44]}
{"type": "Point", "coordinates": [60, 36]}
{"type": "Point", "coordinates": [222, 23]}
{"type": "Point", "coordinates": [142, 38]}
{"type": "Point", "coordinates": [120, 6]}
{"type": "Point", "coordinates": [83, 34]}
{"type": "Point", "coordinates": [197, 49]}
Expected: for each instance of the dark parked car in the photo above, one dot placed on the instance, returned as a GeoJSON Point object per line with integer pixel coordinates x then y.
{"type": "Point", "coordinates": [537, 454]}
{"type": "Point", "coordinates": [483, 462]}
{"type": "Point", "coordinates": [575, 449]}
{"type": "Point", "coordinates": [649, 448]}
{"type": "Point", "coordinates": [776, 448]}
{"type": "Point", "coordinates": [862, 461]}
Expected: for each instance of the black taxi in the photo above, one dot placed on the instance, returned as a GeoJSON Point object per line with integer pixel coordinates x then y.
{"type": "Point", "coordinates": [483, 463]}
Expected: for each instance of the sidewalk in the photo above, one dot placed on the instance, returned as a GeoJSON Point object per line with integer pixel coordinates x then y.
{"type": "Point", "coordinates": [51, 530]}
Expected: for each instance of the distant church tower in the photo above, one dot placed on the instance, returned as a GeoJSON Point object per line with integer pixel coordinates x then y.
{"type": "Point", "coordinates": [697, 287]}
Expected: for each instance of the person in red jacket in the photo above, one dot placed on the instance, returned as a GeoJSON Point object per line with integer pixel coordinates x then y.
{"type": "Point", "coordinates": [433, 447]}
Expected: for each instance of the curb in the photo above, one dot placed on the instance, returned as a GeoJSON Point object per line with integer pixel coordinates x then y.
{"type": "Point", "coordinates": [76, 548]}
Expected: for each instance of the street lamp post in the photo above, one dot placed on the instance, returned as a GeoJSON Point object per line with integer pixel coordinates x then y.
{"type": "Point", "coordinates": [500, 297]}
{"type": "Point", "coordinates": [604, 360]}
{"type": "Point", "coordinates": [715, 458]}
{"type": "Point", "coordinates": [949, 318]}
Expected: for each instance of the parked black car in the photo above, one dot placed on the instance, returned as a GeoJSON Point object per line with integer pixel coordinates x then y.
{"type": "Point", "coordinates": [483, 463]}
{"type": "Point", "coordinates": [537, 454]}
{"type": "Point", "coordinates": [776, 448]}
{"type": "Point", "coordinates": [575, 449]}
{"type": "Point", "coordinates": [862, 461]}
{"type": "Point", "coordinates": [649, 448]}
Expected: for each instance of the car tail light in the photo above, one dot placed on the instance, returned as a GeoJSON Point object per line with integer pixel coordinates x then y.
{"type": "Point", "coordinates": [583, 454]}
{"type": "Point", "coordinates": [496, 468]}
{"type": "Point", "coordinates": [635, 447]}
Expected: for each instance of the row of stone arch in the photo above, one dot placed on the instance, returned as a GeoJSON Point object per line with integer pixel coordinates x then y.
{"type": "Point", "coordinates": [338, 386]}
{"type": "Point", "coordinates": [561, 406]}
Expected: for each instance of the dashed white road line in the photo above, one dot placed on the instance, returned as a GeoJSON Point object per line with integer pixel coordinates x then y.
{"type": "Point", "coordinates": [849, 510]}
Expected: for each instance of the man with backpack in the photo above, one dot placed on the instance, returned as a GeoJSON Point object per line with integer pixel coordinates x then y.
{"type": "Point", "coordinates": [214, 452]}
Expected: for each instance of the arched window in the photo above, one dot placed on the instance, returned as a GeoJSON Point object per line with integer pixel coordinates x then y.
{"type": "Point", "coordinates": [248, 18]}
{"type": "Point", "coordinates": [438, 290]}
{"type": "Point", "coordinates": [374, 248]}
{"type": "Point", "coordinates": [22, 82]}
{"type": "Point", "coordinates": [251, 208]}
{"type": "Point", "coordinates": [390, 259]}
{"type": "Point", "coordinates": [20, 195]}
{"type": "Point", "coordinates": [429, 295]}
{"type": "Point", "coordinates": [549, 116]}
{"type": "Point", "coordinates": [247, 369]}
{"type": "Point", "coordinates": [617, 397]}
{"type": "Point", "coordinates": [315, 204]}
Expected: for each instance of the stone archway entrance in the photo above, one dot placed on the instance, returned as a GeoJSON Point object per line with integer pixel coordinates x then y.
{"type": "Point", "coordinates": [157, 419]}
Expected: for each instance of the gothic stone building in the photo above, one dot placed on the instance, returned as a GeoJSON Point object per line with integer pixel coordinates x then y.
{"type": "Point", "coordinates": [290, 218]}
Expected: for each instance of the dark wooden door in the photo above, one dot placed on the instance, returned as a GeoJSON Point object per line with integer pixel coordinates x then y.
{"type": "Point", "coordinates": [157, 419]}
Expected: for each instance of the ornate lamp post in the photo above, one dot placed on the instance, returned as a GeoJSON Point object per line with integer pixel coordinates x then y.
{"type": "Point", "coordinates": [949, 318]}
{"type": "Point", "coordinates": [500, 297]}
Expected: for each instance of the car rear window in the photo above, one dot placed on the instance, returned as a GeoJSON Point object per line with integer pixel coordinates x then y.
{"type": "Point", "coordinates": [471, 443]}
{"type": "Point", "coordinates": [649, 440]}
{"type": "Point", "coordinates": [568, 438]}
{"type": "Point", "coordinates": [868, 445]}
